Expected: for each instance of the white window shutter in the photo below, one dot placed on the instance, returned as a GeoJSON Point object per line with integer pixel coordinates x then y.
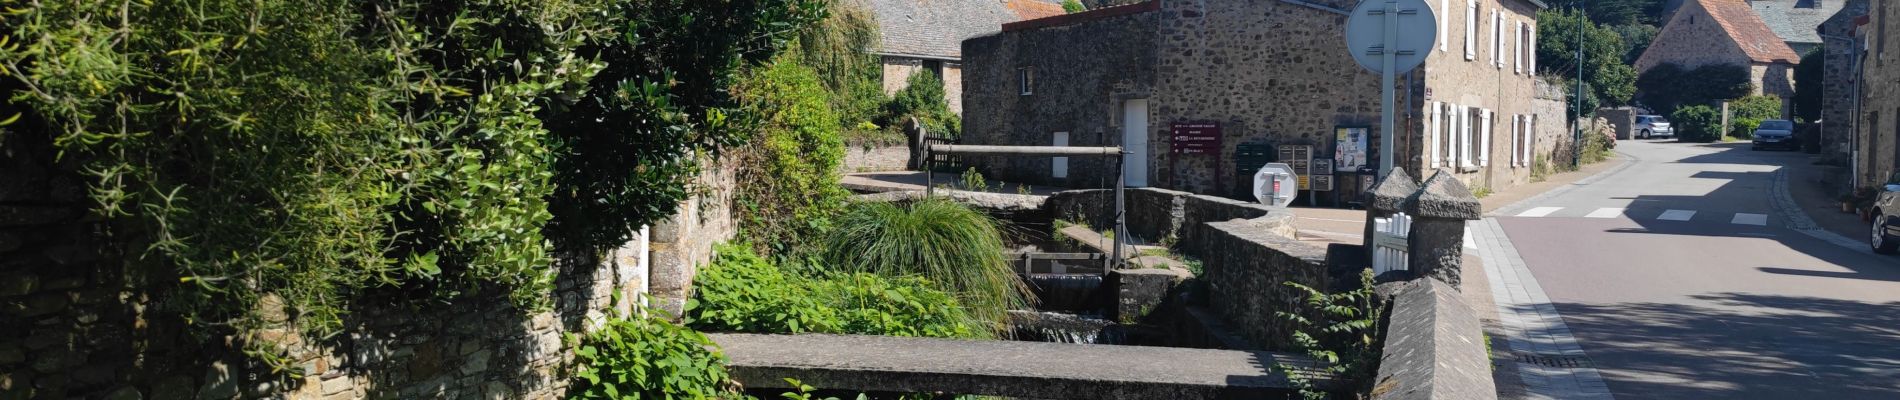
{"type": "Point", "coordinates": [1484, 140]}
{"type": "Point", "coordinates": [1514, 138]}
{"type": "Point", "coordinates": [1497, 38]}
{"type": "Point", "coordinates": [1465, 136]}
{"type": "Point", "coordinates": [1517, 49]}
{"type": "Point", "coordinates": [1444, 24]}
{"type": "Point", "coordinates": [1437, 132]}
{"type": "Point", "coordinates": [1530, 139]}
{"type": "Point", "coordinates": [1471, 30]}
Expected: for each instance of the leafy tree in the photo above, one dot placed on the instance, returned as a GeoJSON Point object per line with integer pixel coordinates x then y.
{"type": "Point", "coordinates": [1748, 112]}
{"type": "Point", "coordinates": [788, 169]}
{"type": "Point", "coordinates": [1668, 86]}
{"type": "Point", "coordinates": [1637, 37]}
{"type": "Point", "coordinates": [1073, 6]}
{"type": "Point", "coordinates": [834, 48]}
{"type": "Point", "coordinates": [1808, 85]}
{"type": "Point", "coordinates": [1617, 12]}
{"type": "Point", "coordinates": [924, 99]}
{"type": "Point", "coordinates": [1611, 80]}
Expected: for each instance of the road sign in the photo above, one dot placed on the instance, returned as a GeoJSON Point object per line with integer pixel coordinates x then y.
{"type": "Point", "coordinates": [1406, 30]}
{"type": "Point", "coordinates": [1389, 37]}
{"type": "Point", "coordinates": [1275, 185]}
{"type": "Point", "coordinates": [1194, 138]}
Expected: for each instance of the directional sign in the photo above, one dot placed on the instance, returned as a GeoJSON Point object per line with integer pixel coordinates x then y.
{"type": "Point", "coordinates": [1194, 138]}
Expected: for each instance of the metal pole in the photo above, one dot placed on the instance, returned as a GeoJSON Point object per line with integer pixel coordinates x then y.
{"type": "Point", "coordinates": [1576, 134]}
{"type": "Point", "coordinates": [1388, 56]}
{"type": "Point", "coordinates": [930, 171]}
{"type": "Point", "coordinates": [1121, 222]}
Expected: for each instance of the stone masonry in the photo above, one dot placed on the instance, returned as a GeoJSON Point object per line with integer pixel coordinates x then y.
{"type": "Point", "coordinates": [1838, 80]}
{"type": "Point", "coordinates": [76, 323]}
{"type": "Point", "coordinates": [1880, 99]}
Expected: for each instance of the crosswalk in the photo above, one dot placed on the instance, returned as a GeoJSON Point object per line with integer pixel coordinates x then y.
{"type": "Point", "coordinates": [1618, 212]}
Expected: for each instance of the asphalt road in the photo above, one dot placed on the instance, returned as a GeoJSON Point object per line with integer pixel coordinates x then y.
{"type": "Point", "coordinates": [1681, 280]}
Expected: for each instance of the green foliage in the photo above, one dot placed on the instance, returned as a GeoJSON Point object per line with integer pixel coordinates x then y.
{"type": "Point", "coordinates": [787, 179]}
{"type": "Point", "coordinates": [973, 180]}
{"type": "Point", "coordinates": [956, 247]}
{"type": "Point", "coordinates": [835, 49]}
{"type": "Point", "coordinates": [1617, 12]}
{"type": "Point", "coordinates": [649, 358]}
{"type": "Point", "coordinates": [1668, 86]}
{"type": "Point", "coordinates": [742, 292]}
{"type": "Point", "coordinates": [1072, 6]}
{"type": "Point", "coordinates": [1344, 333]}
{"type": "Point", "coordinates": [1697, 123]}
{"type": "Point", "coordinates": [1748, 112]}
{"type": "Point", "coordinates": [316, 149]}
{"type": "Point", "coordinates": [1808, 85]}
{"type": "Point", "coordinates": [802, 391]}
{"type": "Point", "coordinates": [1637, 37]}
{"type": "Point", "coordinates": [1596, 147]}
{"type": "Point", "coordinates": [923, 98]}
{"type": "Point", "coordinates": [1606, 76]}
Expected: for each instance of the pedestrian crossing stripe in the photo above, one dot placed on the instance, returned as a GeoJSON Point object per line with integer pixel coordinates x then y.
{"type": "Point", "coordinates": [1667, 215]}
{"type": "Point", "coordinates": [1606, 213]}
{"type": "Point", "coordinates": [1750, 219]}
{"type": "Point", "coordinates": [1539, 212]}
{"type": "Point", "coordinates": [1677, 215]}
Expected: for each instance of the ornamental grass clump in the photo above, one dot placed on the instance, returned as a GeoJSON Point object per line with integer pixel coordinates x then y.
{"type": "Point", "coordinates": [947, 243]}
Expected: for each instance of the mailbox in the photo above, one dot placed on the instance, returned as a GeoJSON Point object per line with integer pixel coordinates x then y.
{"type": "Point", "coordinates": [1275, 185]}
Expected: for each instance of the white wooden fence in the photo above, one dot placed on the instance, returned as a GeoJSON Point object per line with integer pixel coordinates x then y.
{"type": "Point", "coordinates": [1390, 243]}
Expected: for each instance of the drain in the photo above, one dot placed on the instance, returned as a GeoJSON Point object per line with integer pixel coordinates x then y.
{"type": "Point", "coordinates": [1555, 360]}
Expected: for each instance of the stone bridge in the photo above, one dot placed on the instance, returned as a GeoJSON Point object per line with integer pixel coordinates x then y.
{"type": "Point", "coordinates": [1014, 369]}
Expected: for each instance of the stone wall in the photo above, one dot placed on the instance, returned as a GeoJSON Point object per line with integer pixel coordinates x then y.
{"type": "Point", "coordinates": [1435, 346]}
{"type": "Point", "coordinates": [1246, 267]}
{"type": "Point", "coordinates": [1775, 79]}
{"type": "Point", "coordinates": [1838, 82]}
{"type": "Point", "coordinates": [875, 158]}
{"type": "Point", "coordinates": [1691, 39]}
{"type": "Point", "coordinates": [1552, 134]}
{"type": "Point", "coordinates": [953, 86]}
{"type": "Point", "coordinates": [1157, 215]}
{"type": "Point", "coordinates": [1880, 103]}
{"type": "Point", "coordinates": [76, 321]}
{"type": "Point", "coordinates": [1083, 74]}
{"type": "Point", "coordinates": [897, 72]}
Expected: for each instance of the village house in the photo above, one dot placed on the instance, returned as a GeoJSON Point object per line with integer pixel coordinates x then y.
{"type": "Point", "coordinates": [1724, 32]}
{"type": "Point", "coordinates": [1879, 130]}
{"type": "Point", "coordinates": [1838, 76]}
{"type": "Point", "coordinates": [919, 36]}
{"type": "Point", "coordinates": [1794, 21]}
{"type": "Point", "coordinates": [1204, 93]}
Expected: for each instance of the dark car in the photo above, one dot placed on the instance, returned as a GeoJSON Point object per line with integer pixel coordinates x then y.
{"type": "Point", "coordinates": [1885, 237]}
{"type": "Point", "coordinates": [1776, 133]}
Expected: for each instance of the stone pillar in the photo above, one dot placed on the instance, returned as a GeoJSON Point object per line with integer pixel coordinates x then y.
{"type": "Point", "coordinates": [914, 133]}
{"type": "Point", "coordinates": [1439, 210]}
{"type": "Point", "coordinates": [1387, 197]}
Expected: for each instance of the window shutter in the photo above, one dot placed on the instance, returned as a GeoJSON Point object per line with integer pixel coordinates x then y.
{"type": "Point", "coordinates": [1484, 140]}
{"type": "Point", "coordinates": [1530, 139]}
{"type": "Point", "coordinates": [1444, 24]}
{"type": "Point", "coordinates": [1471, 30]}
{"type": "Point", "coordinates": [1517, 51]}
{"type": "Point", "coordinates": [1497, 38]}
{"type": "Point", "coordinates": [1436, 137]}
{"type": "Point", "coordinates": [1514, 140]}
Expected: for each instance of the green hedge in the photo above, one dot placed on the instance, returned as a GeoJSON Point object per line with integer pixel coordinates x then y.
{"type": "Point", "coordinates": [788, 189]}
{"type": "Point", "coordinates": [1697, 124]}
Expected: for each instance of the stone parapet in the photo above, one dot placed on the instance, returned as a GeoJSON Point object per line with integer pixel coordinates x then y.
{"type": "Point", "coordinates": [1434, 346]}
{"type": "Point", "coordinates": [1247, 268]}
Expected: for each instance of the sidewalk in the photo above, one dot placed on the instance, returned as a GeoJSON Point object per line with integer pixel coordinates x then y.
{"type": "Point", "coordinates": [1819, 203]}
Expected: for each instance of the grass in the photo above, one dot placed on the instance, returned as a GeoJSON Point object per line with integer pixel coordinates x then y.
{"type": "Point", "coordinates": [1482, 192]}
{"type": "Point", "coordinates": [957, 248]}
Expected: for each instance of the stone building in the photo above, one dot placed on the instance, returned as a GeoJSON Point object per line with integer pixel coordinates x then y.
{"type": "Point", "coordinates": [1841, 53]}
{"type": "Point", "coordinates": [1246, 73]}
{"type": "Point", "coordinates": [1879, 128]}
{"type": "Point", "coordinates": [1795, 21]}
{"type": "Point", "coordinates": [1717, 32]}
{"type": "Point", "coordinates": [922, 36]}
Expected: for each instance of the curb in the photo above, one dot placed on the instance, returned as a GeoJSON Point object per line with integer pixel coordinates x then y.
{"type": "Point", "coordinates": [1783, 203]}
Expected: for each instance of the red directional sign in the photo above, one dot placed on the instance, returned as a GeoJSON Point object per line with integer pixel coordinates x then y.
{"type": "Point", "coordinates": [1194, 138]}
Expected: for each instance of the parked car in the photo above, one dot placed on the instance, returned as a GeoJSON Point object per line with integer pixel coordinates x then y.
{"type": "Point", "coordinates": [1886, 216]}
{"type": "Point", "coordinates": [1776, 133]}
{"type": "Point", "coordinates": [1653, 126]}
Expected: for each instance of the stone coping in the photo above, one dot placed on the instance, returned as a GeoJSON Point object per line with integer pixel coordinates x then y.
{"type": "Point", "coordinates": [1009, 368]}
{"type": "Point", "coordinates": [1434, 346]}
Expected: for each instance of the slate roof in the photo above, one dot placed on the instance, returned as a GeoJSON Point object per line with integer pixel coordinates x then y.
{"type": "Point", "coordinates": [937, 28]}
{"type": "Point", "coordinates": [1794, 20]}
{"type": "Point", "coordinates": [1747, 29]}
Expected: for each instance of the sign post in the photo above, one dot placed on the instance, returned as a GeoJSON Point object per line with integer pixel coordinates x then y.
{"type": "Point", "coordinates": [1389, 37]}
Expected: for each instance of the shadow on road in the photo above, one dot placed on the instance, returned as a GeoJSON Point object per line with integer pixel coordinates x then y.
{"type": "Point", "coordinates": [1744, 346]}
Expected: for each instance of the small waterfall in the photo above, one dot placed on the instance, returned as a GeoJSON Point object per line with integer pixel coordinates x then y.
{"type": "Point", "coordinates": [1065, 292]}
{"type": "Point", "coordinates": [1044, 326]}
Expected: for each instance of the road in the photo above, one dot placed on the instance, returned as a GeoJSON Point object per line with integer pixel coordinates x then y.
{"type": "Point", "coordinates": [1680, 277]}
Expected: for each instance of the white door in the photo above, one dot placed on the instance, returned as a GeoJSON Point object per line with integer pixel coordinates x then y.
{"type": "Point", "coordinates": [1060, 168]}
{"type": "Point", "coordinates": [1135, 141]}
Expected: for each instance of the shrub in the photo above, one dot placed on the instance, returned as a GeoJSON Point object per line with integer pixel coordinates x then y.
{"type": "Point", "coordinates": [947, 243]}
{"type": "Point", "coordinates": [1748, 112]}
{"type": "Point", "coordinates": [1809, 79]}
{"type": "Point", "coordinates": [742, 292]}
{"type": "Point", "coordinates": [923, 98]}
{"type": "Point", "coordinates": [1072, 6]}
{"type": "Point", "coordinates": [649, 358]}
{"type": "Point", "coordinates": [1339, 329]}
{"type": "Point", "coordinates": [1697, 123]}
{"type": "Point", "coordinates": [1668, 86]}
{"type": "Point", "coordinates": [787, 175]}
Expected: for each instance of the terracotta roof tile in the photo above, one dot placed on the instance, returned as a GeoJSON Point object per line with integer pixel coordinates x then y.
{"type": "Point", "coordinates": [1032, 9]}
{"type": "Point", "coordinates": [1747, 29]}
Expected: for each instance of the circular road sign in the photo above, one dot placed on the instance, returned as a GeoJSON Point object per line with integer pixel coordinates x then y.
{"type": "Point", "coordinates": [1416, 31]}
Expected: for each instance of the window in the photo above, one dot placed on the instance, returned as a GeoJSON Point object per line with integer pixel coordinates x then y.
{"type": "Point", "coordinates": [1881, 26]}
{"type": "Point", "coordinates": [934, 66]}
{"type": "Point", "coordinates": [1026, 80]}
{"type": "Point", "coordinates": [1059, 166]}
{"type": "Point", "coordinates": [1471, 30]}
